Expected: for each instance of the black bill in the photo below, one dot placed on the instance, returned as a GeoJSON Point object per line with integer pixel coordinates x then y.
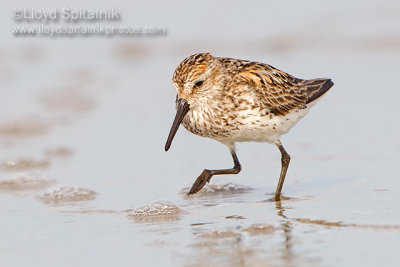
{"type": "Point", "coordinates": [182, 109]}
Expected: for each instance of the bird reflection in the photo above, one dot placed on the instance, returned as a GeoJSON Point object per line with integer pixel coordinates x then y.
{"type": "Point", "coordinates": [287, 228]}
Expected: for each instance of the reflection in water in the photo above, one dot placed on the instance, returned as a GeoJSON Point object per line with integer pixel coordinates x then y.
{"type": "Point", "coordinates": [219, 191]}
{"type": "Point", "coordinates": [154, 219]}
{"type": "Point", "coordinates": [238, 244]}
{"type": "Point", "coordinates": [226, 247]}
{"type": "Point", "coordinates": [254, 245]}
{"type": "Point", "coordinates": [351, 225]}
{"type": "Point", "coordinates": [287, 230]}
{"type": "Point", "coordinates": [260, 229]}
{"type": "Point", "coordinates": [289, 257]}
{"type": "Point", "coordinates": [230, 245]}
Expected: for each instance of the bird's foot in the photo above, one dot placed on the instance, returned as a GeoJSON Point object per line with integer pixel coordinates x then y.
{"type": "Point", "coordinates": [200, 182]}
{"type": "Point", "coordinates": [279, 198]}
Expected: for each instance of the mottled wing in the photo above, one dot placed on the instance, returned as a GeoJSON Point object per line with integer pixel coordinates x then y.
{"type": "Point", "coordinates": [278, 91]}
{"type": "Point", "coordinates": [316, 88]}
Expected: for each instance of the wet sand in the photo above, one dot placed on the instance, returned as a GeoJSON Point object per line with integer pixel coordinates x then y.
{"type": "Point", "coordinates": [85, 181]}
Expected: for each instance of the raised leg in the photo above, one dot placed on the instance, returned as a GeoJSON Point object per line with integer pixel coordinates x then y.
{"type": "Point", "coordinates": [285, 164]}
{"type": "Point", "coordinates": [206, 175]}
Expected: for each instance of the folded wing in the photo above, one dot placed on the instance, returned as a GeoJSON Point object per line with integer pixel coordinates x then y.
{"type": "Point", "coordinates": [280, 92]}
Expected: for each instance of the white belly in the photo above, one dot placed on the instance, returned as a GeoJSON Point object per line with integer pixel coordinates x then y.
{"type": "Point", "coordinates": [269, 128]}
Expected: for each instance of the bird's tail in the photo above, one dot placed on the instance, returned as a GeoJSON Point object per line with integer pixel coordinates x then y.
{"type": "Point", "coordinates": [316, 88]}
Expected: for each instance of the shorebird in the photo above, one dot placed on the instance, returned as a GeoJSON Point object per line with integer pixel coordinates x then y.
{"type": "Point", "coordinates": [232, 100]}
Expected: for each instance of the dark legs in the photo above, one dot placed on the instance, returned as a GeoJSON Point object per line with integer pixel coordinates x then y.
{"type": "Point", "coordinates": [285, 164]}
{"type": "Point", "coordinates": [206, 175]}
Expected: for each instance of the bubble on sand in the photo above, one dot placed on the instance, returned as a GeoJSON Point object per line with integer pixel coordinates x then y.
{"type": "Point", "coordinates": [157, 208]}
{"type": "Point", "coordinates": [67, 195]}
{"type": "Point", "coordinates": [26, 183]}
{"type": "Point", "coordinates": [260, 229]}
{"type": "Point", "coordinates": [24, 164]}
{"type": "Point", "coordinates": [159, 211]}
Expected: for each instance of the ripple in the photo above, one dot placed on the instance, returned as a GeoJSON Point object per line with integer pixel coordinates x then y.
{"type": "Point", "coordinates": [26, 183]}
{"type": "Point", "coordinates": [67, 195]}
{"type": "Point", "coordinates": [24, 164]}
{"type": "Point", "coordinates": [90, 211]}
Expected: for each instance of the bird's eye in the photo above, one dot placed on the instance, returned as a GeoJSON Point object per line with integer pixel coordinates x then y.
{"type": "Point", "coordinates": [198, 84]}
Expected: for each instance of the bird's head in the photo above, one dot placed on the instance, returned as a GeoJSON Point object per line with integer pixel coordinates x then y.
{"type": "Point", "coordinates": [196, 76]}
{"type": "Point", "coordinates": [195, 79]}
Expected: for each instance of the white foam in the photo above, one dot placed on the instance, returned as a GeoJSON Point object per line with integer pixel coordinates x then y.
{"type": "Point", "coordinates": [157, 208]}
{"type": "Point", "coordinates": [67, 194]}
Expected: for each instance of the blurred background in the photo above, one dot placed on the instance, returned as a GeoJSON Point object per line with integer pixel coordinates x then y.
{"type": "Point", "coordinates": [84, 120]}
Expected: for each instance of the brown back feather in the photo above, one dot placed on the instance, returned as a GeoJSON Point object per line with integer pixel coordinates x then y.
{"type": "Point", "coordinates": [280, 92]}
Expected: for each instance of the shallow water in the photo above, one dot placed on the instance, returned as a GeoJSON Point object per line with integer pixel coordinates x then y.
{"type": "Point", "coordinates": [84, 179]}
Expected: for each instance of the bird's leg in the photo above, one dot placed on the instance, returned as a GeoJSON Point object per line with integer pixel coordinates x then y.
{"type": "Point", "coordinates": [206, 175]}
{"type": "Point", "coordinates": [285, 164]}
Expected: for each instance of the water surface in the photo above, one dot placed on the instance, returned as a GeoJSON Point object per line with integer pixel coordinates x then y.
{"type": "Point", "coordinates": [84, 179]}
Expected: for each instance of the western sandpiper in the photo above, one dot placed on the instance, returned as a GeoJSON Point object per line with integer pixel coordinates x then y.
{"type": "Point", "coordinates": [232, 100]}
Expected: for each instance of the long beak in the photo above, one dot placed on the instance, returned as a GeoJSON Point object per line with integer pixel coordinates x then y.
{"type": "Point", "coordinates": [182, 109]}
